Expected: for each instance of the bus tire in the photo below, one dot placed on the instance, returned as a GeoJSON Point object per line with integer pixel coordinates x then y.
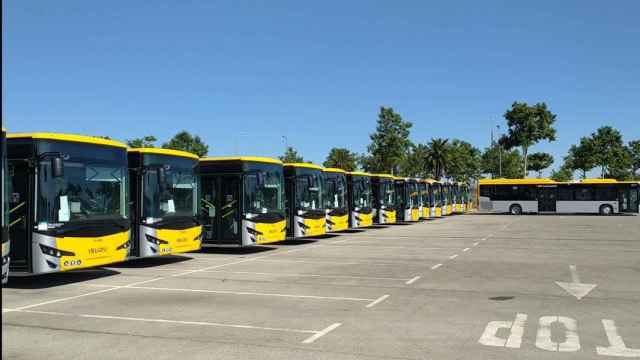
{"type": "Point", "coordinates": [606, 210]}
{"type": "Point", "coordinates": [515, 209]}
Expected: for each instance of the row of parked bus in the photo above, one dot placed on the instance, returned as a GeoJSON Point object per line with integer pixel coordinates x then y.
{"type": "Point", "coordinates": [72, 202]}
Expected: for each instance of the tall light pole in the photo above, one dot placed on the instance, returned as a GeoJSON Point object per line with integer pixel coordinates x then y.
{"type": "Point", "coordinates": [499, 151]}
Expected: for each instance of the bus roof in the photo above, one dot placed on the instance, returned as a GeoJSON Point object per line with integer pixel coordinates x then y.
{"type": "Point", "coordinates": [388, 176]}
{"type": "Point", "coordinates": [358, 173]}
{"type": "Point", "coordinates": [516, 181]}
{"type": "Point", "coordinates": [67, 137]}
{"type": "Point", "coordinates": [334, 170]}
{"type": "Point", "coordinates": [161, 151]}
{"type": "Point", "coordinates": [607, 181]}
{"type": "Point", "coordinates": [303, 165]}
{"type": "Point", "coordinates": [242, 159]}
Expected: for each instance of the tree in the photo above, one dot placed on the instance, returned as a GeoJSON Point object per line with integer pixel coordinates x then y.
{"type": "Point", "coordinates": [528, 125]}
{"type": "Point", "coordinates": [341, 158]}
{"type": "Point", "coordinates": [187, 142]}
{"type": "Point", "coordinates": [143, 142]}
{"type": "Point", "coordinates": [609, 153]}
{"type": "Point", "coordinates": [565, 173]}
{"type": "Point", "coordinates": [511, 163]}
{"type": "Point", "coordinates": [436, 160]}
{"type": "Point", "coordinates": [580, 157]}
{"type": "Point", "coordinates": [389, 143]}
{"type": "Point", "coordinates": [634, 154]}
{"type": "Point", "coordinates": [291, 156]}
{"type": "Point", "coordinates": [414, 162]}
{"type": "Point", "coordinates": [463, 161]}
{"type": "Point", "coordinates": [539, 161]}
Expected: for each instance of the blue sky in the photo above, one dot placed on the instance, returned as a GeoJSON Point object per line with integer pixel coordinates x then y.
{"type": "Point", "coordinates": [250, 72]}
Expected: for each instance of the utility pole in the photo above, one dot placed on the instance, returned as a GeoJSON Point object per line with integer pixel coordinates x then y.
{"type": "Point", "coordinates": [499, 151]}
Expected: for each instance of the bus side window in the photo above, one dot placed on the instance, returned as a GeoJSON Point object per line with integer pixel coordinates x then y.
{"type": "Point", "coordinates": [565, 193]}
{"type": "Point", "coordinates": [584, 193]}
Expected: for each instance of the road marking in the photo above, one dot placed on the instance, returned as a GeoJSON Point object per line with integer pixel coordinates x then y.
{"type": "Point", "coordinates": [411, 281]}
{"type": "Point", "coordinates": [516, 327]}
{"type": "Point", "coordinates": [435, 266]}
{"type": "Point", "coordinates": [307, 275]}
{"type": "Point", "coordinates": [453, 256]}
{"type": "Point", "coordinates": [571, 340]}
{"type": "Point", "coordinates": [616, 347]}
{"type": "Point", "coordinates": [22, 308]}
{"type": "Point", "coordinates": [226, 292]}
{"type": "Point", "coordinates": [181, 322]}
{"type": "Point", "coordinates": [325, 262]}
{"type": "Point", "coordinates": [466, 249]}
{"type": "Point", "coordinates": [377, 301]}
{"type": "Point", "coordinates": [322, 333]}
{"type": "Point", "coordinates": [476, 243]}
{"type": "Point", "coordinates": [575, 287]}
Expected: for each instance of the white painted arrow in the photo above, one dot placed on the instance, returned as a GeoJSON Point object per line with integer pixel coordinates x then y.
{"type": "Point", "coordinates": [575, 287]}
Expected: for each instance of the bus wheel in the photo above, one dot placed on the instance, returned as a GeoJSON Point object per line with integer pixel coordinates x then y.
{"type": "Point", "coordinates": [515, 210]}
{"type": "Point", "coordinates": [606, 210]}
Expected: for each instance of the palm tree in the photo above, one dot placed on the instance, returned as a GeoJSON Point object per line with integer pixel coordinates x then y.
{"type": "Point", "coordinates": [436, 159]}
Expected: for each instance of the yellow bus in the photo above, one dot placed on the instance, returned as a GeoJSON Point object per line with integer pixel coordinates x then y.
{"type": "Point", "coordinates": [335, 199]}
{"type": "Point", "coordinates": [242, 201]}
{"type": "Point", "coordinates": [408, 202]}
{"type": "Point", "coordinates": [384, 199]}
{"type": "Point", "coordinates": [423, 198]}
{"type": "Point", "coordinates": [438, 198]}
{"type": "Point", "coordinates": [5, 186]}
{"type": "Point", "coordinates": [305, 210]}
{"type": "Point", "coordinates": [165, 207]}
{"type": "Point", "coordinates": [360, 199]}
{"type": "Point", "coordinates": [69, 207]}
{"type": "Point", "coordinates": [447, 198]}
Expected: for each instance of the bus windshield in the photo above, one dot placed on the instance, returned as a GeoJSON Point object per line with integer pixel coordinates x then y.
{"type": "Point", "coordinates": [93, 185]}
{"type": "Point", "coordinates": [387, 193]}
{"type": "Point", "coordinates": [413, 194]}
{"type": "Point", "coordinates": [309, 190]}
{"type": "Point", "coordinates": [335, 194]}
{"type": "Point", "coordinates": [5, 184]}
{"type": "Point", "coordinates": [361, 192]}
{"type": "Point", "coordinates": [264, 190]}
{"type": "Point", "coordinates": [175, 194]}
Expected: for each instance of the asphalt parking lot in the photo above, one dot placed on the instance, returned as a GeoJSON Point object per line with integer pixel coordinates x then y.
{"type": "Point", "coordinates": [463, 287]}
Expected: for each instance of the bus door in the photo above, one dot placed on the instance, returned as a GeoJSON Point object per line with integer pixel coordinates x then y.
{"type": "Point", "coordinates": [547, 196]}
{"type": "Point", "coordinates": [629, 199]}
{"type": "Point", "coordinates": [209, 208]}
{"type": "Point", "coordinates": [229, 225]}
{"type": "Point", "coordinates": [19, 219]}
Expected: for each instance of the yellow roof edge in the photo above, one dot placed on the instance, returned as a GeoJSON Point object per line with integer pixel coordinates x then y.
{"type": "Point", "coordinates": [516, 181]}
{"type": "Point", "coordinates": [335, 170]}
{"type": "Point", "coordinates": [304, 165]}
{"type": "Point", "coordinates": [161, 151]}
{"type": "Point", "coordinates": [67, 137]}
{"type": "Point", "coordinates": [261, 159]}
{"type": "Point", "coordinates": [358, 173]}
{"type": "Point", "coordinates": [388, 176]}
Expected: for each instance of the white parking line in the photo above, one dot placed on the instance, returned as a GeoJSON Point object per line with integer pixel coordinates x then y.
{"type": "Point", "coordinates": [326, 262]}
{"type": "Point", "coordinates": [411, 281]}
{"type": "Point", "coordinates": [322, 333]}
{"type": "Point", "coordinates": [316, 334]}
{"type": "Point", "coordinates": [435, 266]}
{"type": "Point", "coordinates": [476, 243]}
{"type": "Point", "coordinates": [453, 256]}
{"type": "Point", "coordinates": [466, 249]}
{"type": "Point", "coordinates": [378, 300]}
{"type": "Point", "coordinates": [307, 275]}
{"type": "Point", "coordinates": [226, 292]}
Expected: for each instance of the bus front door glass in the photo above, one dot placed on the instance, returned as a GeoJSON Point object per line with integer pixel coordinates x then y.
{"type": "Point", "coordinates": [229, 207]}
{"type": "Point", "coordinates": [19, 205]}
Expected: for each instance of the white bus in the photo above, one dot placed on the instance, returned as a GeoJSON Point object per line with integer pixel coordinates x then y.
{"type": "Point", "coordinates": [591, 196]}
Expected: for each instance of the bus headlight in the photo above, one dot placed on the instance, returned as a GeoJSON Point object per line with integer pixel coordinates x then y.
{"type": "Point", "coordinates": [155, 240]}
{"type": "Point", "coordinates": [48, 250]}
{"type": "Point", "coordinates": [124, 246]}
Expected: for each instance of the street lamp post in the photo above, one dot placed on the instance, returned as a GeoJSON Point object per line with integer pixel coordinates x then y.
{"type": "Point", "coordinates": [499, 151]}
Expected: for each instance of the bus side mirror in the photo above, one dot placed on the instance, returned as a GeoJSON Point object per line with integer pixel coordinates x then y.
{"type": "Point", "coordinates": [57, 167]}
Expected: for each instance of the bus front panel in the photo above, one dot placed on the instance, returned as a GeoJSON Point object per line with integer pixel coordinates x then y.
{"type": "Point", "coordinates": [307, 216]}
{"type": "Point", "coordinates": [335, 201]}
{"type": "Point", "coordinates": [4, 216]}
{"type": "Point", "coordinates": [361, 201]}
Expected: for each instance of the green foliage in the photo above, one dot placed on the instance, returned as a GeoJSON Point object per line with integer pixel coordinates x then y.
{"type": "Point", "coordinates": [414, 162]}
{"type": "Point", "coordinates": [341, 158]}
{"type": "Point", "coordinates": [463, 161]}
{"type": "Point", "coordinates": [539, 161]}
{"type": "Point", "coordinates": [511, 163]}
{"type": "Point", "coordinates": [609, 153]}
{"type": "Point", "coordinates": [565, 173]}
{"type": "Point", "coordinates": [436, 160]}
{"type": "Point", "coordinates": [291, 156]}
{"type": "Point", "coordinates": [148, 141]}
{"type": "Point", "coordinates": [186, 142]}
{"type": "Point", "coordinates": [580, 157]}
{"type": "Point", "coordinates": [389, 143]}
{"type": "Point", "coordinates": [528, 125]}
{"type": "Point", "coordinates": [634, 155]}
